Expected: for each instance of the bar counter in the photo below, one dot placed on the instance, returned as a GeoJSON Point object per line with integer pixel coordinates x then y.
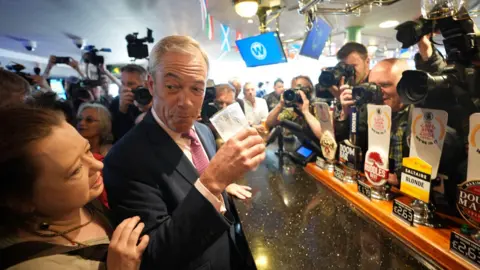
{"type": "Point", "coordinates": [295, 222]}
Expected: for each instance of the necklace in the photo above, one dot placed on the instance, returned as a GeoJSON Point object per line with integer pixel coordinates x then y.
{"type": "Point", "coordinates": [45, 226]}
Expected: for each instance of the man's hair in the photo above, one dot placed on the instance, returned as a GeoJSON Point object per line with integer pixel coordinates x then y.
{"type": "Point", "coordinates": [245, 85]}
{"type": "Point", "coordinates": [260, 84]}
{"type": "Point", "coordinates": [277, 81]}
{"type": "Point", "coordinates": [12, 86]}
{"type": "Point", "coordinates": [180, 44]}
{"type": "Point", "coordinates": [133, 68]}
{"type": "Point", "coordinates": [350, 48]}
{"type": "Point", "coordinates": [104, 118]}
{"type": "Point", "coordinates": [224, 88]}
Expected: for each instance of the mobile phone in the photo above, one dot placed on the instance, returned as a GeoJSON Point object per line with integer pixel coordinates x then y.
{"type": "Point", "coordinates": [62, 60]}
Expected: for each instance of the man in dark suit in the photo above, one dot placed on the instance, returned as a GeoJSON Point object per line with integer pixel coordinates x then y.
{"type": "Point", "coordinates": [167, 172]}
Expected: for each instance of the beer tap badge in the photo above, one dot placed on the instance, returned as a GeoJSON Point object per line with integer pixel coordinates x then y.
{"type": "Point", "coordinates": [468, 202]}
{"type": "Point", "coordinates": [379, 121]}
{"type": "Point", "coordinates": [376, 168]}
{"type": "Point", "coordinates": [468, 193]}
{"type": "Point", "coordinates": [428, 129]}
{"type": "Point", "coordinates": [329, 145]}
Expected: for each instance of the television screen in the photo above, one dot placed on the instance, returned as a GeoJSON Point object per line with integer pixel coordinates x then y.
{"type": "Point", "coordinates": [261, 50]}
{"type": "Point", "coordinates": [316, 39]}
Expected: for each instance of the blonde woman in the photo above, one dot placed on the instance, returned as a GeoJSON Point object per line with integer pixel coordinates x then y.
{"type": "Point", "coordinates": [94, 123]}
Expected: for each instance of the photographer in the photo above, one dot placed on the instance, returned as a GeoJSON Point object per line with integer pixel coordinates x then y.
{"type": "Point", "coordinates": [124, 108]}
{"type": "Point", "coordinates": [356, 55]}
{"type": "Point", "coordinates": [280, 112]}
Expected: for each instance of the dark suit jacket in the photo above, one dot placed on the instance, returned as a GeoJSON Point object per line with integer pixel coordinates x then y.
{"type": "Point", "coordinates": [147, 174]}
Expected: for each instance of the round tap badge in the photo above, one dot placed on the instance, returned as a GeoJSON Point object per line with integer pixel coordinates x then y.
{"type": "Point", "coordinates": [376, 167]}
{"type": "Point", "coordinates": [329, 145]}
{"type": "Point", "coordinates": [468, 202]}
{"type": "Point", "coordinates": [379, 121]}
{"type": "Point", "coordinates": [428, 129]}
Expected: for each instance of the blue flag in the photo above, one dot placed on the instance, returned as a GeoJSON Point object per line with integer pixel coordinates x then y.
{"type": "Point", "coordinates": [316, 39]}
{"type": "Point", "coordinates": [225, 38]}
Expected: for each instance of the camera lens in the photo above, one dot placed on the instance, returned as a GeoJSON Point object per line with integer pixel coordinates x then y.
{"type": "Point", "coordinates": [289, 95]}
{"type": "Point", "coordinates": [327, 78]}
{"type": "Point", "coordinates": [142, 96]}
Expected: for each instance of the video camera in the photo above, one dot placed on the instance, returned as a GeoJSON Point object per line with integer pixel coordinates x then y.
{"type": "Point", "coordinates": [17, 69]}
{"type": "Point", "coordinates": [91, 56]}
{"type": "Point", "coordinates": [460, 77]}
{"type": "Point", "coordinates": [81, 90]}
{"type": "Point", "coordinates": [136, 47]}
{"type": "Point", "coordinates": [292, 97]}
{"type": "Point", "coordinates": [367, 93]}
{"type": "Point", "coordinates": [332, 75]}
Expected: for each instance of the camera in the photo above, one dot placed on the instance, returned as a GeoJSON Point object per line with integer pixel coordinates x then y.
{"type": "Point", "coordinates": [136, 47]}
{"type": "Point", "coordinates": [291, 96]}
{"type": "Point", "coordinates": [17, 69]}
{"type": "Point", "coordinates": [62, 60]}
{"type": "Point", "coordinates": [91, 57]}
{"type": "Point", "coordinates": [331, 76]}
{"type": "Point", "coordinates": [81, 90]}
{"type": "Point", "coordinates": [30, 45]}
{"type": "Point", "coordinates": [142, 95]}
{"type": "Point", "coordinates": [462, 47]}
{"type": "Point", "coordinates": [367, 93]}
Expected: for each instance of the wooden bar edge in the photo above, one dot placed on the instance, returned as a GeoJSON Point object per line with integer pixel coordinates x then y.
{"type": "Point", "coordinates": [433, 243]}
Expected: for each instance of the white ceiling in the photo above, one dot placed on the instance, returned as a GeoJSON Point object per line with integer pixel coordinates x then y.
{"type": "Point", "coordinates": [105, 23]}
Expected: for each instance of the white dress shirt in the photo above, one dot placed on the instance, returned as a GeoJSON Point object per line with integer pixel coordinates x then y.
{"type": "Point", "coordinates": [258, 113]}
{"type": "Point", "coordinates": [184, 145]}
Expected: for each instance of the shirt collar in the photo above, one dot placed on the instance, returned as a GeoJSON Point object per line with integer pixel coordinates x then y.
{"type": "Point", "coordinates": [173, 134]}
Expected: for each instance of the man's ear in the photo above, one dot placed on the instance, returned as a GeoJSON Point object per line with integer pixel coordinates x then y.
{"type": "Point", "coordinates": [150, 84]}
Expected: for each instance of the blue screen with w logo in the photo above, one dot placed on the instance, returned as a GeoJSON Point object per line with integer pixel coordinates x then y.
{"type": "Point", "coordinates": [264, 49]}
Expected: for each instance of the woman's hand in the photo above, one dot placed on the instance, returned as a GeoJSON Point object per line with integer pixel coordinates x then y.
{"type": "Point", "coordinates": [241, 192]}
{"type": "Point", "coordinates": [125, 252]}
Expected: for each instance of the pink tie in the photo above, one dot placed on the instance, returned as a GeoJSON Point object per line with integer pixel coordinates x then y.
{"type": "Point", "coordinates": [199, 157]}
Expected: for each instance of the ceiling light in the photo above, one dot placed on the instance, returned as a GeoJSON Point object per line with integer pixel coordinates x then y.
{"type": "Point", "coordinates": [388, 24]}
{"type": "Point", "coordinates": [250, 21]}
{"type": "Point", "coordinates": [246, 8]}
{"type": "Point", "coordinates": [282, 34]}
{"type": "Point", "coordinates": [268, 29]}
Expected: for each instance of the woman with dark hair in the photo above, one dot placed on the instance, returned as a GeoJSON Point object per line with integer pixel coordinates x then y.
{"type": "Point", "coordinates": [49, 182]}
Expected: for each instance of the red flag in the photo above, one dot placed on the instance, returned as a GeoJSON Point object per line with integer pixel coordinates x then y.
{"type": "Point", "coordinates": [238, 35]}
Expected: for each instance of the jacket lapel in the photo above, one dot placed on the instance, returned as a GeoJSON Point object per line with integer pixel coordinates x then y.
{"type": "Point", "coordinates": [168, 150]}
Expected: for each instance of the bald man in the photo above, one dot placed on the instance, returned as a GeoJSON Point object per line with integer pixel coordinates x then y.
{"type": "Point", "coordinates": [386, 74]}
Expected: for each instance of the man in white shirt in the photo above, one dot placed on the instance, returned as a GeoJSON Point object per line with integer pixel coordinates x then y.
{"type": "Point", "coordinates": [256, 109]}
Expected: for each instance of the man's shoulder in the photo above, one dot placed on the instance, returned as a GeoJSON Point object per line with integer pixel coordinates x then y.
{"type": "Point", "coordinates": [133, 142]}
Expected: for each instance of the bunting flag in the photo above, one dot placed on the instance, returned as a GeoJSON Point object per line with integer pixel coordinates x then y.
{"type": "Point", "coordinates": [203, 9]}
{"type": "Point", "coordinates": [225, 38]}
{"type": "Point", "coordinates": [209, 26]}
{"type": "Point", "coordinates": [238, 36]}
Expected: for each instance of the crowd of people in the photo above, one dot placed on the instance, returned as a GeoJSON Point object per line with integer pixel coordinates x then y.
{"type": "Point", "coordinates": [167, 177]}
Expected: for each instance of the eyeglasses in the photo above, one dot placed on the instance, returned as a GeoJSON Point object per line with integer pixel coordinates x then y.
{"type": "Point", "coordinates": [88, 119]}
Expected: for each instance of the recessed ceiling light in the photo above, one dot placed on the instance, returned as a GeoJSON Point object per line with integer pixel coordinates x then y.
{"type": "Point", "coordinates": [250, 21]}
{"type": "Point", "coordinates": [388, 24]}
{"type": "Point", "coordinates": [282, 34]}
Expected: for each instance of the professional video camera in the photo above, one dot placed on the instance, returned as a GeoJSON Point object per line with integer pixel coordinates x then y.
{"type": "Point", "coordinates": [459, 78]}
{"type": "Point", "coordinates": [367, 93]}
{"type": "Point", "coordinates": [136, 47]}
{"type": "Point", "coordinates": [292, 97]}
{"type": "Point", "coordinates": [17, 69]}
{"type": "Point", "coordinates": [142, 95]}
{"type": "Point", "coordinates": [331, 76]}
{"type": "Point", "coordinates": [91, 56]}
